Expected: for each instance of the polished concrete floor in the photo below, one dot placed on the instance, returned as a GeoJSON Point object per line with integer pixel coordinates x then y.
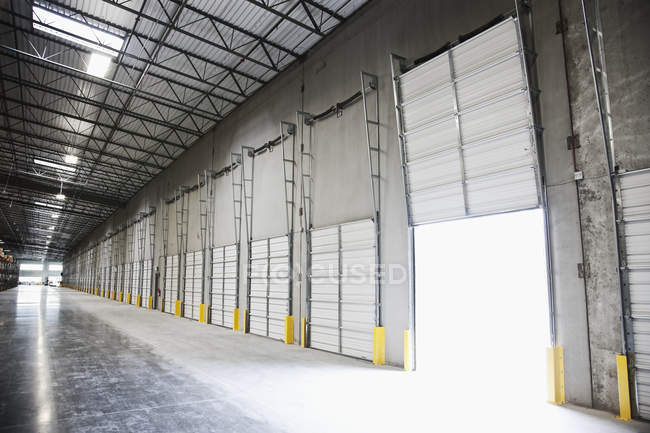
{"type": "Point", "coordinates": [72, 362]}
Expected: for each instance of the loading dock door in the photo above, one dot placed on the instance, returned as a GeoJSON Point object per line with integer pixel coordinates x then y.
{"type": "Point", "coordinates": [635, 230]}
{"type": "Point", "coordinates": [224, 285]}
{"type": "Point", "coordinates": [192, 291]}
{"type": "Point", "coordinates": [135, 282]}
{"type": "Point", "coordinates": [467, 130]}
{"type": "Point", "coordinates": [171, 283]}
{"type": "Point", "coordinates": [269, 286]}
{"type": "Point", "coordinates": [128, 279]}
{"type": "Point", "coordinates": [343, 288]}
{"type": "Point", "coordinates": [468, 141]}
{"type": "Point", "coordinates": [146, 282]}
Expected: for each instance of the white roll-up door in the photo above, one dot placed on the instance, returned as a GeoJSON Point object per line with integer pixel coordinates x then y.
{"type": "Point", "coordinates": [146, 282]}
{"type": "Point", "coordinates": [467, 126]}
{"type": "Point", "coordinates": [224, 285]}
{"type": "Point", "coordinates": [635, 229]}
{"type": "Point", "coordinates": [193, 293]}
{"type": "Point", "coordinates": [135, 282]}
{"type": "Point", "coordinates": [127, 280]}
{"type": "Point", "coordinates": [343, 281]}
{"type": "Point", "coordinates": [171, 283]}
{"type": "Point", "coordinates": [105, 282]}
{"type": "Point", "coordinates": [116, 278]}
{"type": "Point", "coordinates": [269, 286]}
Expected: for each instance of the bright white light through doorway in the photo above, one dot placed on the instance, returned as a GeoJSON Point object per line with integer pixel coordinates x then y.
{"type": "Point", "coordinates": [482, 322]}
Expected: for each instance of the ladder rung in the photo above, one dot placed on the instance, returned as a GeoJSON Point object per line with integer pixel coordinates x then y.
{"type": "Point", "coordinates": [374, 149]}
{"type": "Point", "coordinates": [374, 122]}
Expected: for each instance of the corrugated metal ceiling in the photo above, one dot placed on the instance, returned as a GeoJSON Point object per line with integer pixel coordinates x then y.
{"type": "Point", "coordinates": [184, 66]}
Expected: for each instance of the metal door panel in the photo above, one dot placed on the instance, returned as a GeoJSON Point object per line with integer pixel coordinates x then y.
{"type": "Point", "coordinates": [635, 229]}
{"type": "Point", "coordinates": [343, 284]}
{"type": "Point", "coordinates": [482, 159]}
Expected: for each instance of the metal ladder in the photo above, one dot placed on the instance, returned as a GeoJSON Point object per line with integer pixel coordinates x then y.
{"type": "Point", "coordinates": [142, 235]}
{"type": "Point", "coordinates": [306, 186]}
{"type": "Point", "coordinates": [369, 84]}
{"type": "Point", "coordinates": [237, 191]}
{"type": "Point", "coordinates": [130, 254]}
{"type": "Point", "coordinates": [152, 249]}
{"type": "Point", "coordinates": [247, 172]}
{"type": "Point", "coordinates": [288, 145]}
{"type": "Point", "coordinates": [182, 225]}
{"type": "Point", "coordinates": [205, 218]}
{"type": "Point", "coordinates": [165, 249]}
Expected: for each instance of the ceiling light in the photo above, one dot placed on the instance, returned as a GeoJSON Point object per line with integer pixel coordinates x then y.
{"type": "Point", "coordinates": [60, 195]}
{"type": "Point", "coordinates": [98, 65]}
{"type": "Point", "coordinates": [55, 215]}
{"type": "Point", "coordinates": [54, 165]}
{"type": "Point", "coordinates": [49, 236]}
{"type": "Point", "coordinates": [76, 31]}
{"type": "Point", "coordinates": [53, 206]}
{"type": "Point", "coordinates": [71, 159]}
{"type": "Point", "coordinates": [51, 228]}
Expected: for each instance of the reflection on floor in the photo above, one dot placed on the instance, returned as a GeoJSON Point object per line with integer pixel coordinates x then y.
{"type": "Point", "coordinates": [72, 362]}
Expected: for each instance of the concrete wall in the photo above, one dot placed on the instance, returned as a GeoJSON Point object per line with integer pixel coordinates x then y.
{"type": "Point", "coordinates": [586, 309]}
{"type": "Point", "coordinates": [626, 50]}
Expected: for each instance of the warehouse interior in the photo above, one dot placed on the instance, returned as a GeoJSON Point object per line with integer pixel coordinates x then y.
{"type": "Point", "coordinates": [325, 215]}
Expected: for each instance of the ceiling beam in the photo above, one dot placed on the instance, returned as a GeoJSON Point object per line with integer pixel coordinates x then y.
{"type": "Point", "coordinates": [34, 185]}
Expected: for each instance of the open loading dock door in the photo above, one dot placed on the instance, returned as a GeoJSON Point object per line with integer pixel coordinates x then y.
{"type": "Point", "coordinates": [634, 229]}
{"type": "Point", "coordinates": [467, 130]}
{"type": "Point", "coordinates": [468, 141]}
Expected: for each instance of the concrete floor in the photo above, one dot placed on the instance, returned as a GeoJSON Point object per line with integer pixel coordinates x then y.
{"type": "Point", "coordinates": [73, 362]}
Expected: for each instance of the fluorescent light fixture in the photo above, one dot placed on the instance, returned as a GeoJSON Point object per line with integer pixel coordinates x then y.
{"type": "Point", "coordinates": [98, 64]}
{"type": "Point", "coordinates": [71, 159]}
{"type": "Point", "coordinates": [54, 165]}
{"type": "Point", "coordinates": [49, 236]}
{"type": "Point", "coordinates": [60, 196]}
{"type": "Point", "coordinates": [76, 31]}
{"type": "Point", "coordinates": [55, 215]}
{"type": "Point", "coordinates": [53, 206]}
{"type": "Point", "coordinates": [51, 228]}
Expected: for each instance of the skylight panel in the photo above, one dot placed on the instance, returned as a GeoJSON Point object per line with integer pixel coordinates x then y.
{"type": "Point", "coordinates": [76, 31]}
